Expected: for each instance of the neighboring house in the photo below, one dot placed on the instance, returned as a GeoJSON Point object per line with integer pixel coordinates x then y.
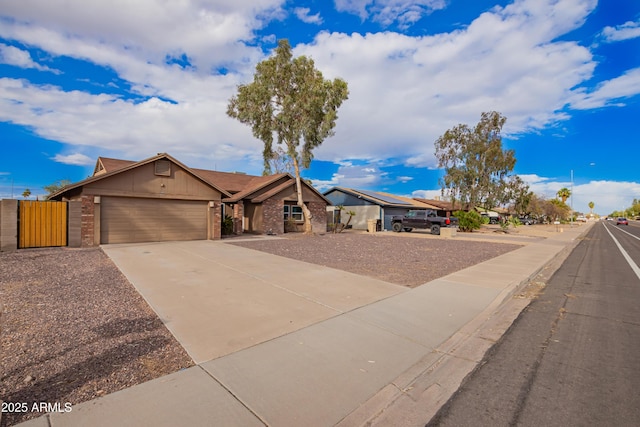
{"type": "Point", "coordinates": [159, 199]}
{"type": "Point", "coordinates": [443, 207]}
{"type": "Point", "coordinates": [369, 205]}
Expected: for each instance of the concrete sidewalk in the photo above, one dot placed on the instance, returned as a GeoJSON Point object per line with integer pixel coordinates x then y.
{"type": "Point", "coordinates": [391, 358]}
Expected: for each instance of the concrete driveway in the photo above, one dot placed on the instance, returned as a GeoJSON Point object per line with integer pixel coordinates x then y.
{"type": "Point", "coordinates": [218, 298]}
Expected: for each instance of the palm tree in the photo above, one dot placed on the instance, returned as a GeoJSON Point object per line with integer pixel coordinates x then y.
{"type": "Point", "coordinates": [26, 193]}
{"type": "Point", "coordinates": [591, 205]}
{"type": "Point", "coordinates": [564, 193]}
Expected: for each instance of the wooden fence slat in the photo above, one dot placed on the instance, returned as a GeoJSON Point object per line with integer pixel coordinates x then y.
{"type": "Point", "coordinates": [42, 224]}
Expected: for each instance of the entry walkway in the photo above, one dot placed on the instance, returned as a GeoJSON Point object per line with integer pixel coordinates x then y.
{"type": "Point", "coordinates": [342, 358]}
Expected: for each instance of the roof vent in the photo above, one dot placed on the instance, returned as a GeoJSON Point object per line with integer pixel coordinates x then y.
{"type": "Point", "coordinates": [163, 167]}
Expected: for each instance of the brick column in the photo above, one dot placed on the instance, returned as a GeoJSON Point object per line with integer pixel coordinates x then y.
{"type": "Point", "coordinates": [319, 213]}
{"type": "Point", "coordinates": [273, 216]}
{"type": "Point", "coordinates": [74, 221]}
{"type": "Point", "coordinates": [238, 213]}
{"type": "Point", "coordinates": [215, 220]}
{"type": "Point", "coordinates": [87, 230]}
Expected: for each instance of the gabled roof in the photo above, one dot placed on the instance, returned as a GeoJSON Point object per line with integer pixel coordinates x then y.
{"type": "Point", "coordinates": [264, 196]}
{"type": "Point", "coordinates": [232, 182]}
{"type": "Point", "coordinates": [383, 199]}
{"type": "Point", "coordinates": [235, 186]}
{"type": "Point", "coordinates": [133, 165]}
{"type": "Point", "coordinates": [255, 185]}
{"type": "Point", "coordinates": [106, 165]}
{"type": "Point", "coordinates": [260, 182]}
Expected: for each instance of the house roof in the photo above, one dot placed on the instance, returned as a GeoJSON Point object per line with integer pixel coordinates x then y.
{"type": "Point", "coordinates": [233, 182]}
{"type": "Point", "coordinates": [256, 184]}
{"type": "Point", "coordinates": [384, 199]}
{"type": "Point", "coordinates": [124, 165]}
{"type": "Point", "coordinates": [440, 204]}
{"type": "Point", "coordinates": [235, 186]}
{"type": "Point", "coordinates": [286, 184]}
{"type": "Point", "coordinates": [106, 165]}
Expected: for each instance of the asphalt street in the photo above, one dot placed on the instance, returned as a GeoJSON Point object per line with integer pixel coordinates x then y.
{"type": "Point", "coordinates": [572, 358]}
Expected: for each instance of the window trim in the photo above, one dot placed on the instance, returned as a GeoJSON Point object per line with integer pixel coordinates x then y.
{"type": "Point", "coordinates": [294, 212]}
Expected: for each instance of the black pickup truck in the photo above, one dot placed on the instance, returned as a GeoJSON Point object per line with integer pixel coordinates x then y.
{"type": "Point", "coordinates": [425, 219]}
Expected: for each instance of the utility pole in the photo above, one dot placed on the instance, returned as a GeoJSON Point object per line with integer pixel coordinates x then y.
{"type": "Point", "coordinates": [571, 220]}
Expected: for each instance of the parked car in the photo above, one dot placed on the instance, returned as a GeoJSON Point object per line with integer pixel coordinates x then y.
{"type": "Point", "coordinates": [493, 217]}
{"type": "Point", "coordinates": [526, 220]}
{"type": "Point", "coordinates": [622, 221]}
{"type": "Point", "coordinates": [581, 218]}
{"type": "Point", "coordinates": [425, 219]}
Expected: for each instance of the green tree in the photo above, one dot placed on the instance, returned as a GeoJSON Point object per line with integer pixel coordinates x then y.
{"type": "Point", "coordinates": [289, 98]}
{"type": "Point", "coordinates": [591, 206]}
{"type": "Point", "coordinates": [26, 193]}
{"type": "Point", "coordinates": [563, 194]}
{"type": "Point", "coordinates": [58, 185]}
{"type": "Point", "coordinates": [519, 194]}
{"type": "Point", "coordinates": [556, 209]}
{"type": "Point", "coordinates": [476, 166]}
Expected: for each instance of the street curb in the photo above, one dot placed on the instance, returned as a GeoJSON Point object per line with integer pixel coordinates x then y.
{"type": "Point", "coordinates": [417, 395]}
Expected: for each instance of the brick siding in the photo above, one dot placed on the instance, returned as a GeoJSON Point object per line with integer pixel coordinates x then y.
{"type": "Point", "coordinates": [273, 216]}
{"type": "Point", "coordinates": [87, 222]}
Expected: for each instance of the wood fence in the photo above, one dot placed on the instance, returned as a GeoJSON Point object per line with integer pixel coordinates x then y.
{"type": "Point", "coordinates": [42, 224]}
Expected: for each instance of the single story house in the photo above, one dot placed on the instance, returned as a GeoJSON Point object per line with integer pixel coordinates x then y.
{"type": "Point", "coordinates": [370, 205]}
{"type": "Point", "coordinates": [161, 199]}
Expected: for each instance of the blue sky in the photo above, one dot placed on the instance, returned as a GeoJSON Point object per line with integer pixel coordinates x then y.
{"type": "Point", "coordinates": [130, 79]}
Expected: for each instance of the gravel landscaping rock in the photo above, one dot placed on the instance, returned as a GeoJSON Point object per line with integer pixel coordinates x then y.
{"type": "Point", "coordinates": [73, 328]}
{"type": "Point", "coordinates": [401, 259]}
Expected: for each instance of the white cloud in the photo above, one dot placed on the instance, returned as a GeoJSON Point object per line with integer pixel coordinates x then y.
{"type": "Point", "coordinates": [303, 14]}
{"type": "Point", "coordinates": [404, 91]}
{"type": "Point", "coordinates": [610, 92]}
{"type": "Point", "coordinates": [12, 55]}
{"type": "Point", "coordinates": [626, 31]}
{"type": "Point", "coordinates": [427, 194]}
{"type": "Point", "coordinates": [131, 37]}
{"type": "Point", "coordinates": [607, 196]}
{"type": "Point", "coordinates": [74, 159]}
{"type": "Point", "coordinates": [387, 12]}
{"type": "Point", "coordinates": [507, 60]}
{"type": "Point", "coordinates": [353, 176]}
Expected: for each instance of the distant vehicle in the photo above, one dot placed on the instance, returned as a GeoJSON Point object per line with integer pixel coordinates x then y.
{"type": "Point", "coordinates": [581, 218]}
{"type": "Point", "coordinates": [622, 221]}
{"type": "Point", "coordinates": [425, 219]}
{"type": "Point", "coordinates": [527, 220]}
{"type": "Point", "coordinates": [493, 217]}
{"type": "Point", "coordinates": [609, 218]}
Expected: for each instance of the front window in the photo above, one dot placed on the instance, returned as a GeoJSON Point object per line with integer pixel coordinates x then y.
{"type": "Point", "coordinates": [294, 212]}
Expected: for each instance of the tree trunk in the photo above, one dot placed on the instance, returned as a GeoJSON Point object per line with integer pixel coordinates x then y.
{"type": "Point", "coordinates": [306, 213]}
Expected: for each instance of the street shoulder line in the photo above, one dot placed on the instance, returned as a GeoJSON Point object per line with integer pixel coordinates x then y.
{"type": "Point", "coordinates": [626, 256]}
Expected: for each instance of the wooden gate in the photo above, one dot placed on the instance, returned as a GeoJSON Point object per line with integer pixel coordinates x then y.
{"type": "Point", "coordinates": [42, 224]}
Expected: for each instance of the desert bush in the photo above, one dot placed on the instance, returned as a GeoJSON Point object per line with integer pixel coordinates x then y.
{"type": "Point", "coordinates": [469, 221]}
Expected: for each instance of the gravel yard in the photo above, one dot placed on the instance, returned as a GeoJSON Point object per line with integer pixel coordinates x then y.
{"type": "Point", "coordinates": [403, 260]}
{"type": "Point", "coordinates": [73, 328]}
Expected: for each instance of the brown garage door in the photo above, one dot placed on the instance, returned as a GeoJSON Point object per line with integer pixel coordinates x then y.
{"type": "Point", "coordinates": [130, 220]}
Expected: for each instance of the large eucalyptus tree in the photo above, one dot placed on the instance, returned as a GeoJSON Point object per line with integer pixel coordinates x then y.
{"type": "Point", "coordinates": [290, 100]}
